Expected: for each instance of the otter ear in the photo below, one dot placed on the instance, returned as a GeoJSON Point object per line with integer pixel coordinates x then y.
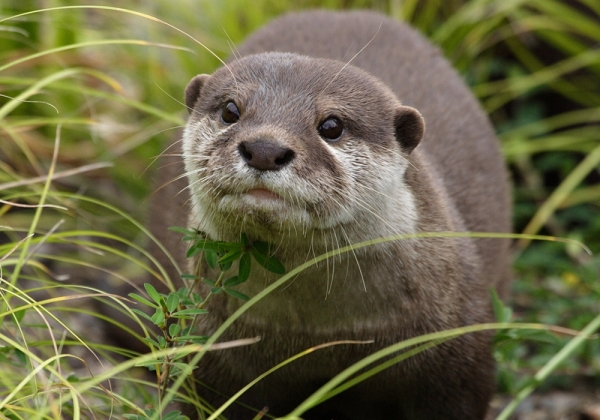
{"type": "Point", "coordinates": [192, 91]}
{"type": "Point", "coordinates": [410, 126]}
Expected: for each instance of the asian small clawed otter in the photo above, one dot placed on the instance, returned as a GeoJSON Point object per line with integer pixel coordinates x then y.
{"type": "Point", "coordinates": [292, 145]}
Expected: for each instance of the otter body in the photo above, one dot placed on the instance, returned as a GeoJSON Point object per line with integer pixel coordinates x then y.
{"type": "Point", "coordinates": [292, 146]}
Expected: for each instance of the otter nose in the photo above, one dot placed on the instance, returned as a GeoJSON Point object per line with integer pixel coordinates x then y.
{"type": "Point", "coordinates": [265, 156]}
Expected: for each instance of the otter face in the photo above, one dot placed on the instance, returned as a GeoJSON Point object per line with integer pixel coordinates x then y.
{"type": "Point", "coordinates": [279, 145]}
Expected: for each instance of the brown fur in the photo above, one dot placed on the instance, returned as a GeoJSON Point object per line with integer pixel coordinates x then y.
{"type": "Point", "coordinates": [388, 292]}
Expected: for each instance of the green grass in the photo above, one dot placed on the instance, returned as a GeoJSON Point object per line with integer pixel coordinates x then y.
{"type": "Point", "coordinates": [88, 96]}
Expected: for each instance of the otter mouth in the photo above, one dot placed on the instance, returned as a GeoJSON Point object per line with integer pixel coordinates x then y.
{"type": "Point", "coordinates": [259, 211]}
{"type": "Point", "coordinates": [262, 208]}
{"type": "Point", "coordinates": [263, 194]}
{"type": "Point", "coordinates": [250, 200]}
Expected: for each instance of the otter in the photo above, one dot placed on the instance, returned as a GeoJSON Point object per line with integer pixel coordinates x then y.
{"type": "Point", "coordinates": [314, 138]}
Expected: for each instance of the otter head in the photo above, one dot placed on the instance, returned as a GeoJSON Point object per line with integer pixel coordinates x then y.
{"type": "Point", "coordinates": [279, 145]}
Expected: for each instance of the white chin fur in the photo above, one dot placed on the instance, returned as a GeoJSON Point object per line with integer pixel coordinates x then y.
{"type": "Point", "coordinates": [280, 210]}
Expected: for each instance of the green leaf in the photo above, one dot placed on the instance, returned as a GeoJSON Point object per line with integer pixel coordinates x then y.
{"type": "Point", "coordinates": [73, 378]}
{"type": "Point", "coordinates": [236, 294]}
{"type": "Point", "coordinates": [152, 292]}
{"type": "Point", "coordinates": [189, 277]}
{"type": "Point", "coordinates": [244, 267]}
{"type": "Point", "coordinates": [501, 312]}
{"type": "Point", "coordinates": [162, 342]}
{"type": "Point", "coordinates": [233, 281]}
{"type": "Point", "coordinates": [183, 231]}
{"type": "Point", "coordinates": [23, 358]}
{"type": "Point", "coordinates": [261, 247]}
{"type": "Point", "coordinates": [230, 256]}
{"type": "Point", "coordinates": [211, 258]}
{"type": "Point", "coordinates": [186, 302]}
{"type": "Point", "coordinates": [196, 339]}
{"type": "Point", "coordinates": [216, 290]}
{"type": "Point", "coordinates": [143, 300]}
{"type": "Point", "coordinates": [204, 245]}
{"type": "Point", "coordinates": [207, 245]}
{"type": "Point", "coordinates": [225, 266]}
{"type": "Point", "coordinates": [18, 315]}
{"type": "Point", "coordinates": [174, 330]}
{"type": "Point", "coordinates": [244, 240]}
{"type": "Point", "coordinates": [175, 415]}
{"type": "Point", "coordinates": [163, 304]}
{"type": "Point", "coordinates": [172, 302]}
{"type": "Point", "coordinates": [199, 339]}
{"type": "Point", "coordinates": [142, 314]}
{"type": "Point", "coordinates": [188, 312]}
{"type": "Point", "coordinates": [193, 251]}
{"type": "Point", "coordinates": [272, 264]}
{"type": "Point", "coordinates": [158, 318]}
{"type": "Point", "coordinates": [209, 282]}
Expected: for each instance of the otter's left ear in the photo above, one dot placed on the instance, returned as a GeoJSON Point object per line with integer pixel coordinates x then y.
{"type": "Point", "coordinates": [410, 126]}
{"type": "Point", "coordinates": [192, 91]}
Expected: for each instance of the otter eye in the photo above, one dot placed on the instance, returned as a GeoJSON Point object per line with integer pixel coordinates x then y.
{"type": "Point", "coordinates": [331, 129]}
{"type": "Point", "coordinates": [230, 113]}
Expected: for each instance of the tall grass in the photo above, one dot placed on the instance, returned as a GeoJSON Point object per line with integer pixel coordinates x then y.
{"type": "Point", "coordinates": [89, 95]}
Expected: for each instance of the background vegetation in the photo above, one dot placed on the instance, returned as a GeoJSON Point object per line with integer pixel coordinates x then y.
{"type": "Point", "coordinates": [90, 95]}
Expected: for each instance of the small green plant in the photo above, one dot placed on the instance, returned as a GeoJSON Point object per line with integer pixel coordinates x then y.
{"type": "Point", "coordinates": [176, 314]}
{"type": "Point", "coordinates": [509, 343]}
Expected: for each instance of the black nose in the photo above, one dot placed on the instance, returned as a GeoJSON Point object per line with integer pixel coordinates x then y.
{"type": "Point", "coordinates": [265, 156]}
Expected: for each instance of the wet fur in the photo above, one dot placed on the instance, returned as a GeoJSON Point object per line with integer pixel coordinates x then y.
{"type": "Point", "coordinates": [376, 181]}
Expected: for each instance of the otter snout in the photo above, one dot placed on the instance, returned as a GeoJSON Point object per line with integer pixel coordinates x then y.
{"type": "Point", "coordinates": [265, 156]}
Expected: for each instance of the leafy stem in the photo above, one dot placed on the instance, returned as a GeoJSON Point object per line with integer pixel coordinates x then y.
{"type": "Point", "coordinates": [177, 313]}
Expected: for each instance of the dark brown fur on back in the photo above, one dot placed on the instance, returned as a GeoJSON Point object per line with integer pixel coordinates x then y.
{"type": "Point", "coordinates": [456, 177]}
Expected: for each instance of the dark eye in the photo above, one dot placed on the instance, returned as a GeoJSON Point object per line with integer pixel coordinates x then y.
{"type": "Point", "coordinates": [331, 129]}
{"type": "Point", "coordinates": [230, 113]}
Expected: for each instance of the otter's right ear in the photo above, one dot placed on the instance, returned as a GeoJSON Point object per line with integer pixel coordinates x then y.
{"type": "Point", "coordinates": [409, 126]}
{"type": "Point", "coordinates": [192, 91]}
